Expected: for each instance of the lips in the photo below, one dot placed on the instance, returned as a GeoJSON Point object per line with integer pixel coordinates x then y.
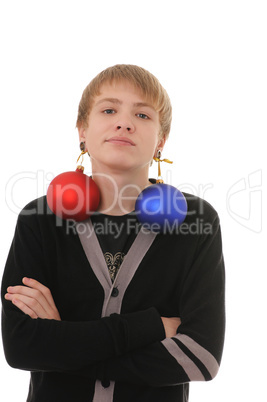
{"type": "Point", "coordinates": [121, 141]}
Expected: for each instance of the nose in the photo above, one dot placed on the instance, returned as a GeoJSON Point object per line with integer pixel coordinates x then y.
{"type": "Point", "coordinates": [125, 125]}
{"type": "Point", "coordinates": [129, 129]}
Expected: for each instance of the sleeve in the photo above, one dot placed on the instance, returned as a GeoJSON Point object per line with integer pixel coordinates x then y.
{"type": "Point", "coordinates": [194, 354]}
{"type": "Point", "coordinates": [50, 345]}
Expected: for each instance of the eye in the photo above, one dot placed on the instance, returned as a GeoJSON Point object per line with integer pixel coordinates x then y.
{"type": "Point", "coordinates": [109, 111]}
{"type": "Point", "coordinates": [142, 116]}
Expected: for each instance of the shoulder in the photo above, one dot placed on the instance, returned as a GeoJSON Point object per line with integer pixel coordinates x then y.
{"type": "Point", "coordinates": [37, 206]}
{"type": "Point", "coordinates": [37, 221]}
{"type": "Point", "coordinates": [201, 222]}
{"type": "Point", "coordinates": [198, 208]}
{"type": "Point", "coordinates": [35, 209]}
{"type": "Point", "coordinates": [37, 215]}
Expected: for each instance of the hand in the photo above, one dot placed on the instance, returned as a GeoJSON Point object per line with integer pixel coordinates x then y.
{"type": "Point", "coordinates": [33, 299]}
{"type": "Point", "coordinates": [171, 325]}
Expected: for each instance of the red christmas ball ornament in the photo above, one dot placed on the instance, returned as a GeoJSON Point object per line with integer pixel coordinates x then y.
{"type": "Point", "coordinates": [73, 195]}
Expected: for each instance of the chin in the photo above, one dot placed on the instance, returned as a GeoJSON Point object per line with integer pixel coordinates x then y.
{"type": "Point", "coordinates": [122, 165]}
{"type": "Point", "coordinates": [121, 162]}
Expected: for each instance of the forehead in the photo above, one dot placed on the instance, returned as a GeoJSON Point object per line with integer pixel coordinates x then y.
{"type": "Point", "coordinates": [123, 90]}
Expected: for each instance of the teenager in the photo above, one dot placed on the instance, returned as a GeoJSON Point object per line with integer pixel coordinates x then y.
{"type": "Point", "coordinates": [104, 309]}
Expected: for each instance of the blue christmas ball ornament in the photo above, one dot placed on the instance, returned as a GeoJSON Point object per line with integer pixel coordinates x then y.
{"type": "Point", "coordinates": [161, 208]}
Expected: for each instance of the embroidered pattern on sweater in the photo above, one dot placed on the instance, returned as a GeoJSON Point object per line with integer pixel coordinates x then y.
{"type": "Point", "coordinates": [114, 262]}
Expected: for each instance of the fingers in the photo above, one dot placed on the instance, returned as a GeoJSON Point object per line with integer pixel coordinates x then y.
{"type": "Point", "coordinates": [39, 287]}
{"type": "Point", "coordinates": [171, 325]}
{"type": "Point", "coordinates": [34, 299]}
{"type": "Point", "coordinates": [178, 322]}
{"type": "Point", "coordinates": [16, 300]}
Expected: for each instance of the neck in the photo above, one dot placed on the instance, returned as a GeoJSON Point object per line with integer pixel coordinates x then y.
{"type": "Point", "coordinates": [119, 190]}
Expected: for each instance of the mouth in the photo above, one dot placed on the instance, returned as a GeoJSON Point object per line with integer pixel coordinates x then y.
{"type": "Point", "coordinates": [121, 141]}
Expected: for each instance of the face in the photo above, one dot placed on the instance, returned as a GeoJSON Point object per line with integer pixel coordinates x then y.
{"type": "Point", "coordinates": [123, 129]}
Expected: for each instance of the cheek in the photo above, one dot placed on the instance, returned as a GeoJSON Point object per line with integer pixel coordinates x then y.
{"type": "Point", "coordinates": [93, 133]}
{"type": "Point", "coordinates": [150, 149]}
{"type": "Point", "coordinates": [90, 141]}
{"type": "Point", "coordinates": [152, 138]}
{"type": "Point", "coordinates": [99, 129]}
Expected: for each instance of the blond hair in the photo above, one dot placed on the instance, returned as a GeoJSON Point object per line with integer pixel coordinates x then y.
{"type": "Point", "coordinates": [142, 79]}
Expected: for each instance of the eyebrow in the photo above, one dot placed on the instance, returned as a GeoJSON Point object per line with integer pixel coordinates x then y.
{"type": "Point", "coordinates": [144, 104]}
{"type": "Point", "coordinates": [117, 101]}
{"type": "Point", "coordinates": [112, 100]}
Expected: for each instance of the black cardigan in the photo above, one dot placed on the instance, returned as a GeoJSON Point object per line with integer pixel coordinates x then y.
{"type": "Point", "coordinates": [122, 356]}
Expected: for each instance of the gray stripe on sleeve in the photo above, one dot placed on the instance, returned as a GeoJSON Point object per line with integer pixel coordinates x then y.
{"type": "Point", "coordinates": [202, 354]}
{"type": "Point", "coordinates": [192, 371]}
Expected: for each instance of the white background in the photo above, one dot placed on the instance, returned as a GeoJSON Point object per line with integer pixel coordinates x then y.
{"type": "Point", "coordinates": [211, 58]}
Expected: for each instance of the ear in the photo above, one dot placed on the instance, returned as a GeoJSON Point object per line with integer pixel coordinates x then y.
{"type": "Point", "coordinates": [81, 130]}
{"type": "Point", "coordinates": [161, 144]}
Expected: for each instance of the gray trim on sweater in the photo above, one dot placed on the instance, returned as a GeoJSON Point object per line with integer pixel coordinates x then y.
{"type": "Point", "coordinates": [111, 304]}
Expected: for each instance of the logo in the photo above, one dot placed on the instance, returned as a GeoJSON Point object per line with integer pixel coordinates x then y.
{"type": "Point", "coordinates": [244, 201]}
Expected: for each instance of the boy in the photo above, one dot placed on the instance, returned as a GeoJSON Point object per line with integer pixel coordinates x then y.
{"type": "Point", "coordinates": [74, 275]}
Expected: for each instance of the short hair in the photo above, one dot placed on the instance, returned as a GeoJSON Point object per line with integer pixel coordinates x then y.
{"type": "Point", "coordinates": [142, 79]}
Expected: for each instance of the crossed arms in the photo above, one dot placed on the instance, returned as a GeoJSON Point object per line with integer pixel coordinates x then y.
{"type": "Point", "coordinates": [121, 342]}
{"type": "Point", "coordinates": [36, 301]}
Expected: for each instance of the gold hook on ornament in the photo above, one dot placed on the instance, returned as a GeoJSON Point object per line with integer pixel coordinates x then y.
{"type": "Point", "coordinates": [81, 155]}
{"type": "Point", "coordinates": [82, 148]}
{"type": "Point", "coordinates": [157, 159]}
